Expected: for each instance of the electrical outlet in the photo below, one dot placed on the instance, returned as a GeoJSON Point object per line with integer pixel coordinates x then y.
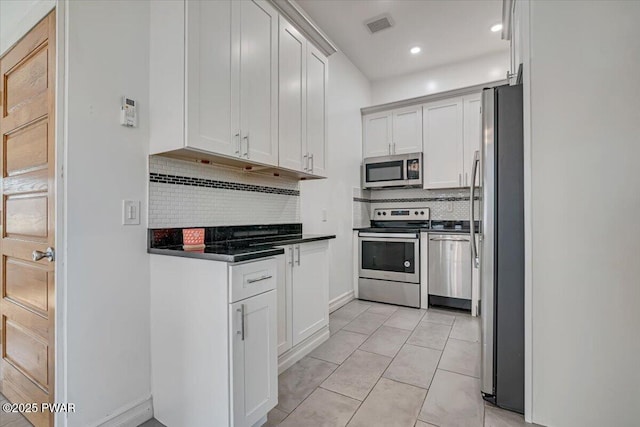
{"type": "Point", "coordinates": [130, 212]}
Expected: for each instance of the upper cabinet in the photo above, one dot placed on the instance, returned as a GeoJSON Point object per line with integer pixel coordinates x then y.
{"type": "Point", "coordinates": [221, 74]}
{"type": "Point", "coordinates": [452, 135]}
{"type": "Point", "coordinates": [472, 134]}
{"type": "Point", "coordinates": [303, 104]}
{"type": "Point", "coordinates": [393, 132]}
{"type": "Point", "coordinates": [443, 148]}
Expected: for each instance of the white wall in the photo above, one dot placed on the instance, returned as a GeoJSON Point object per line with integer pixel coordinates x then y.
{"type": "Point", "coordinates": [17, 17]}
{"type": "Point", "coordinates": [349, 90]}
{"type": "Point", "coordinates": [484, 69]}
{"type": "Point", "coordinates": [108, 325]}
{"type": "Point", "coordinates": [585, 92]}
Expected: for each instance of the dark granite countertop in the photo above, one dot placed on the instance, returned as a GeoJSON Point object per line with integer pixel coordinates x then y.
{"type": "Point", "coordinates": [233, 243]}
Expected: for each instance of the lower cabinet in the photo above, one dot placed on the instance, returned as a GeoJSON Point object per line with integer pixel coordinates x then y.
{"type": "Point", "coordinates": [253, 357]}
{"type": "Point", "coordinates": [303, 300]}
{"type": "Point", "coordinates": [214, 360]}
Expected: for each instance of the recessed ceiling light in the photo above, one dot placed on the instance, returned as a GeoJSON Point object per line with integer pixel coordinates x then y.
{"type": "Point", "coordinates": [415, 50]}
{"type": "Point", "coordinates": [496, 28]}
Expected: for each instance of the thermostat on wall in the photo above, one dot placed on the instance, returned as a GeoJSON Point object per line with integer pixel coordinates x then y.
{"type": "Point", "coordinates": [128, 116]}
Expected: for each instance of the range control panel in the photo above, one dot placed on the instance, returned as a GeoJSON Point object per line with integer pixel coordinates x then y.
{"type": "Point", "coordinates": [403, 214]}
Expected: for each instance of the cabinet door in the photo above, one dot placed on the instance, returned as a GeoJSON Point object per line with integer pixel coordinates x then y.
{"type": "Point", "coordinates": [317, 81]}
{"type": "Point", "coordinates": [310, 290]}
{"type": "Point", "coordinates": [443, 152]}
{"type": "Point", "coordinates": [292, 98]}
{"type": "Point", "coordinates": [472, 134]}
{"type": "Point", "coordinates": [377, 134]}
{"type": "Point", "coordinates": [285, 266]}
{"type": "Point", "coordinates": [258, 26]}
{"type": "Point", "coordinates": [209, 78]}
{"type": "Point", "coordinates": [253, 358]}
{"type": "Point", "coordinates": [407, 131]}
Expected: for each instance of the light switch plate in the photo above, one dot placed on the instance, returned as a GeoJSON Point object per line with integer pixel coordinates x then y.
{"type": "Point", "coordinates": [130, 212]}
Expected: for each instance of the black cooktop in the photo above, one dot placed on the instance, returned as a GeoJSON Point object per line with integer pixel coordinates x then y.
{"type": "Point", "coordinates": [455, 226]}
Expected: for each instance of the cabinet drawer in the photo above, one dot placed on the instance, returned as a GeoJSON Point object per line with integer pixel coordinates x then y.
{"type": "Point", "coordinates": [252, 278]}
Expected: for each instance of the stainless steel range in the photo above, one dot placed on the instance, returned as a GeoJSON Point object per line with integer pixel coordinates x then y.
{"type": "Point", "coordinates": [389, 256]}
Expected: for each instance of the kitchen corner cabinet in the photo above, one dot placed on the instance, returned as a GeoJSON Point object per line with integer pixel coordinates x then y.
{"type": "Point", "coordinates": [393, 132]}
{"type": "Point", "coordinates": [303, 74]}
{"type": "Point", "coordinates": [214, 78]}
{"type": "Point", "coordinates": [303, 300]}
{"type": "Point", "coordinates": [452, 134]}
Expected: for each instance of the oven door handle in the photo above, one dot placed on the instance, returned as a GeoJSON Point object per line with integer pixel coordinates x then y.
{"type": "Point", "coordinates": [406, 236]}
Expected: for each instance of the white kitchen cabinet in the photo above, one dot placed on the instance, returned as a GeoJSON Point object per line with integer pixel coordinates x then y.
{"type": "Point", "coordinates": [378, 133]}
{"type": "Point", "coordinates": [393, 132]}
{"type": "Point", "coordinates": [292, 104]}
{"type": "Point", "coordinates": [303, 103]}
{"type": "Point", "coordinates": [310, 291]}
{"type": "Point", "coordinates": [443, 144]}
{"type": "Point", "coordinates": [258, 42]}
{"type": "Point", "coordinates": [407, 130]}
{"type": "Point", "coordinates": [316, 123]}
{"type": "Point", "coordinates": [253, 358]}
{"type": "Point", "coordinates": [303, 301]}
{"type": "Point", "coordinates": [222, 355]}
{"type": "Point", "coordinates": [214, 79]}
{"type": "Point", "coordinates": [472, 134]}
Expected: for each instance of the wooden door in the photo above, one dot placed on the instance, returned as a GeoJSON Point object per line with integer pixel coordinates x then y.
{"type": "Point", "coordinates": [407, 130]}
{"type": "Point", "coordinates": [27, 305]}
{"type": "Point", "coordinates": [292, 101]}
{"type": "Point", "coordinates": [317, 82]}
{"type": "Point", "coordinates": [377, 134]}
{"type": "Point", "coordinates": [258, 26]}
{"type": "Point", "coordinates": [310, 290]}
{"type": "Point", "coordinates": [443, 151]}
{"type": "Point", "coordinates": [254, 359]}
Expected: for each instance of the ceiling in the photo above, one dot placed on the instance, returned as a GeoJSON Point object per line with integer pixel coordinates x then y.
{"type": "Point", "coordinates": [448, 31]}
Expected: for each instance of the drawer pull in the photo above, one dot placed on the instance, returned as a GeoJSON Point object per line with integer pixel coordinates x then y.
{"type": "Point", "coordinates": [259, 279]}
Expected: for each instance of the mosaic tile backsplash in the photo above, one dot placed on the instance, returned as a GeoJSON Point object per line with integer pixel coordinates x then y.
{"type": "Point", "coordinates": [450, 204]}
{"type": "Point", "coordinates": [185, 193]}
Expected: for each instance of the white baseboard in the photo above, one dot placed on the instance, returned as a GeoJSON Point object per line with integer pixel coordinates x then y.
{"type": "Point", "coordinates": [288, 359]}
{"type": "Point", "coordinates": [130, 416]}
{"type": "Point", "coordinates": [340, 300]}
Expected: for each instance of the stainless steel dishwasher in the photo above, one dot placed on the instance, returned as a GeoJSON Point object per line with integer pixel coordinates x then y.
{"type": "Point", "coordinates": [450, 270]}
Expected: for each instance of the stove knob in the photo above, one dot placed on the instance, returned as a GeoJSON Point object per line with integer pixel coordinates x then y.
{"type": "Point", "coordinates": [422, 213]}
{"type": "Point", "coordinates": [379, 213]}
{"type": "Point", "coordinates": [384, 213]}
{"type": "Point", "coordinates": [415, 213]}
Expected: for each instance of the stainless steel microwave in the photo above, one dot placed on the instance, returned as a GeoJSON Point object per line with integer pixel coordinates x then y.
{"type": "Point", "coordinates": [402, 170]}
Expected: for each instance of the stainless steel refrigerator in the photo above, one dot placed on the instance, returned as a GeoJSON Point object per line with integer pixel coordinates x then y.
{"type": "Point", "coordinates": [499, 253]}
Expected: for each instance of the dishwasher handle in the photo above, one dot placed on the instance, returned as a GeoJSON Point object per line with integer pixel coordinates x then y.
{"type": "Point", "coordinates": [448, 239]}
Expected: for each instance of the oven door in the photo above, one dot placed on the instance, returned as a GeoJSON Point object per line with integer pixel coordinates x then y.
{"type": "Point", "coordinates": [390, 256]}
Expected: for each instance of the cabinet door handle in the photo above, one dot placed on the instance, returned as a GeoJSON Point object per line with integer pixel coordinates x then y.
{"type": "Point", "coordinates": [260, 279]}
{"type": "Point", "coordinates": [298, 249]}
{"type": "Point", "coordinates": [389, 148]}
{"type": "Point", "coordinates": [246, 153]}
{"type": "Point", "coordinates": [311, 162]}
{"type": "Point", "coordinates": [291, 256]}
{"type": "Point", "coordinates": [241, 331]}
{"type": "Point", "coordinates": [459, 180]}
{"type": "Point", "coordinates": [238, 143]}
{"type": "Point", "coordinates": [306, 161]}
{"type": "Point", "coordinates": [394, 148]}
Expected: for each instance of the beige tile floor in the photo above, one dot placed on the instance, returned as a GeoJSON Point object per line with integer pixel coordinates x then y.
{"type": "Point", "coordinates": [390, 366]}
{"type": "Point", "coordinates": [383, 366]}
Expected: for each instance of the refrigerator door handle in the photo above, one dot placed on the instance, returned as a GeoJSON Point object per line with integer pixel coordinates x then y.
{"type": "Point", "coordinates": [472, 195]}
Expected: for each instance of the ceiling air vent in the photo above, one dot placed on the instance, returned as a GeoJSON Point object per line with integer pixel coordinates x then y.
{"type": "Point", "coordinates": [379, 23]}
